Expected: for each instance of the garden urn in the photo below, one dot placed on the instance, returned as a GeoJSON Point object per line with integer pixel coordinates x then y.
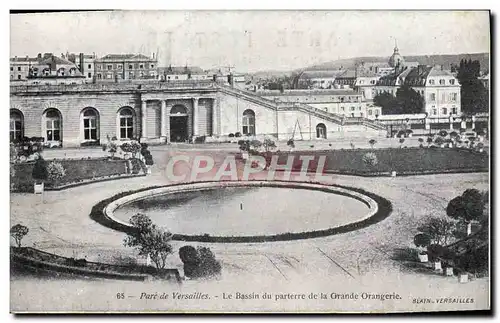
{"type": "Point", "coordinates": [449, 271]}
{"type": "Point", "coordinates": [38, 188]}
{"type": "Point", "coordinates": [423, 257]}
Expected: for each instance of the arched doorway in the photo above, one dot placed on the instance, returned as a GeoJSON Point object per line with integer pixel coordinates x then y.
{"type": "Point", "coordinates": [90, 125]}
{"type": "Point", "coordinates": [178, 123]}
{"type": "Point", "coordinates": [321, 131]}
{"type": "Point", "coordinates": [52, 127]}
{"type": "Point", "coordinates": [16, 125]}
{"type": "Point", "coordinates": [248, 122]}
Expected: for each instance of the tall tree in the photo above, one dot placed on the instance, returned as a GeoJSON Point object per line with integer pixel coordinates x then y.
{"type": "Point", "coordinates": [406, 101]}
{"type": "Point", "coordinates": [474, 96]}
{"type": "Point", "coordinates": [410, 100]}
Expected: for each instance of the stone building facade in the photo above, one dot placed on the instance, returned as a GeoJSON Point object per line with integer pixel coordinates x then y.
{"type": "Point", "coordinates": [87, 114]}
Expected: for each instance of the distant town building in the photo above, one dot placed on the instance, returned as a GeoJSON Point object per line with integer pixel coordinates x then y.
{"type": "Point", "coordinates": [117, 67]}
{"type": "Point", "coordinates": [85, 63]}
{"type": "Point", "coordinates": [348, 103]}
{"type": "Point", "coordinates": [20, 66]}
{"type": "Point", "coordinates": [439, 88]}
{"type": "Point", "coordinates": [178, 73]}
{"type": "Point", "coordinates": [53, 70]}
{"type": "Point", "coordinates": [321, 79]}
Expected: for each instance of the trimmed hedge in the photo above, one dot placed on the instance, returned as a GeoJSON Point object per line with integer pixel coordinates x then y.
{"type": "Point", "coordinates": [384, 210]}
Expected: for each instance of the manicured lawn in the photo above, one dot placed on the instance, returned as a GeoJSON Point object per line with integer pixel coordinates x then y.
{"type": "Point", "coordinates": [403, 161]}
{"type": "Point", "coordinates": [77, 170]}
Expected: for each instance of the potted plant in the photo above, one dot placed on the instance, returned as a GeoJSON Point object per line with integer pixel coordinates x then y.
{"type": "Point", "coordinates": [291, 144]}
{"type": "Point", "coordinates": [39, 174]}
{"type": "Point", "coordinates": [421, 142]}
{"type": "Point", "coordinates": [439, 141]}
{"type": "Point", "coordinates": [55, 172]}
{"type": "Point", "coordinates": [148, 160]}
{"type": "Point", "coordinates": [422, 241]}
{"type": "Point", "coordinates": [244, 147]}
{"type": "Point", "coordinates": [463, 277]}
{"type": "Point", "coordinates": [448, 269]}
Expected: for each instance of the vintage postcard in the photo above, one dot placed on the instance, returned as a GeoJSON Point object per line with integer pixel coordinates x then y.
{"type": "Point", "coordinates": [250, 161]}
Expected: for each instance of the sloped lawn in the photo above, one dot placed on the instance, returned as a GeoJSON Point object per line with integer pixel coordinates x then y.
{"type": "Point", "coordinates": [77, 170]}
{"type": "Point", "coordinates": [403, 161]}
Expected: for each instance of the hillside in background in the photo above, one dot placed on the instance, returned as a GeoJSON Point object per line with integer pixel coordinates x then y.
{"type": "Point", "coordinates": [444, 60]}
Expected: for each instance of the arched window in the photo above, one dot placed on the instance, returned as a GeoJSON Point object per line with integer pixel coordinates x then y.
{"type": "Point", "coordinates": [248, 122]}
{"type": "Point", "coordinates": [61, 71]}
{"type": "Point", "coordinates": [53, 125]}
{"type": "Point", "coordinates": [178, 110]}
{"type": "Point", "coordinates": [126, 123]}
{"type": "Point", "coordinates": [321, 131]}
{"type": "Point", "coordinates": [90, 124]}
{"type": "Point", "coordinates": [16, 125]}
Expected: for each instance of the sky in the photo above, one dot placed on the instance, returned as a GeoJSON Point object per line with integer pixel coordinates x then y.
{"type": "Point", "coordinates": [251, 41]}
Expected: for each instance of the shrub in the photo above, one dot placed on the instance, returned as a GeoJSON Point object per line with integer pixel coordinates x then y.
{"type": "Point", "coordinates": [408, 132]}
{"type": "Point", "coordinates": [422, 240]}
{"type": "Point", "coordinates": [438, 229]}
{"type": "Point", "coordinates": [438, 252]}
{"type": "Point", "coordinates": [256, 144]}
{"type": "Point", "coordinates": [467, 207]}
{"type": "Point", "coordinates": [453, 134]}
{"type": "Point", "coordinates": [443, 133]}
{"type": "Point", "coordinates": [439, 141]}
{"type": "Point", "coordinates": [244, 145]}
{"type": "Point", "coordinates": [40, 172]}
{"type": "Point", "coordinates": [370, 159]}
{"type": "Point", "coordinates": [401, 141]}
{"type": "Point", "coordinates": [190, 258]}
{"type": "Point", "coordinates": [18, 232]}
{"type": "Point", "coordinates": [55, 171]}
{"type": "Point", "coordinates": [400, 134]}
{"type": "Point", "coordinates": [290, 143]}
{"type": "Point", "coordinates": [237, 135]}
{"type": "Point", "coordinates": [149, 239]}
{"type": "Point", "coordinates": [231, 135]}
{"type": "Point", "coordinates": [112, 149]}
{"type": "Point", "coordinates": [268, 144]}
{"type": "Point", "coordinates": [199, 262]}
{"type": "Point", "coordinates": [372, 142]}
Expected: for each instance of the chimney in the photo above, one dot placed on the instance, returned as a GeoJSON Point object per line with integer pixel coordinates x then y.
{"type": "Point", "coordinates": [82, 65]}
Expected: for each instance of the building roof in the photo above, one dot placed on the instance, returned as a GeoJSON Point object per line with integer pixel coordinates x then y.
{"type": "Point", "coordinates": [321, 74]}
{"type": "Point", "coordinates": [309, 92]}
{"type": "Point", "coordinates": [181, 70]}
{"type": "Point", "coordinates": [392, 79]}
{"type": "Point", "coordinates": [23, 59]}
{"type": "Point", "coordinates": [124, 57]}
{"type": "Point", "coordinates": [347, 74]}
{"type": "Point", "coordinates": [57, 60]}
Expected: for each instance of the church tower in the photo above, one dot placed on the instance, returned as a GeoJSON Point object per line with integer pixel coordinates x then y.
{"type": "Point", "coordinates": [396, 60]}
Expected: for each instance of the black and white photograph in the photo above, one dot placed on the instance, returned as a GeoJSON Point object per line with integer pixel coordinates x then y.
{"type": "Point", "coordinates": [250, 161]}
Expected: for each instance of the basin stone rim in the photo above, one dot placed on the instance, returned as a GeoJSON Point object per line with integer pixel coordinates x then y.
{"type": "Point", "coordinates": [358, 194]}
